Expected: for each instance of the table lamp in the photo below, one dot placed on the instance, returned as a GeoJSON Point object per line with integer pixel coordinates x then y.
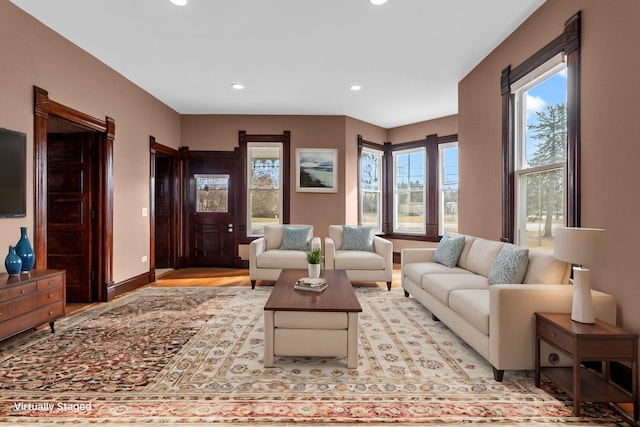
{"type": "Point", "coordinates": [581, 247]}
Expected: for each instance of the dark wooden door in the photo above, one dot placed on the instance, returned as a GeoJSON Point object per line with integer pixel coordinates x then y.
{"type": "Point", "coordinates": [69, 204]}
{"type": "Point", "coordinates": [212, 209]}
{"type": "Point", "coordinates": [164, 214]}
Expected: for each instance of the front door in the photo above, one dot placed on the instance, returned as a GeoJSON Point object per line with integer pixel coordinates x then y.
{"type": "Point", "coordinates": [69, 206]}
{"type": "Point", "coordinates": [212, 209]}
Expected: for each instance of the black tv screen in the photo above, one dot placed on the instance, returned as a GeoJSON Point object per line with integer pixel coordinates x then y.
{"type": "Point", "coordinates": [13, 174]}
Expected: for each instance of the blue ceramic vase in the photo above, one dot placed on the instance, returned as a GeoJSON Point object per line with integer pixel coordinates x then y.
{"type": "Point", "coordinates": [12, 262]}
{"type": "Point", "coordinates": [25, 251]}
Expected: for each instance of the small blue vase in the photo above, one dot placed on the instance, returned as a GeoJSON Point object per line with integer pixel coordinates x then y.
{"type": "Point", "coordinates": [12, 262]}
{"type": "Point", "coordinates": [25, 251]}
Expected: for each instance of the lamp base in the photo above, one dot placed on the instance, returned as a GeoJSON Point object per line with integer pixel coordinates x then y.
{"type": "Point", "coordinates": [582, 308]}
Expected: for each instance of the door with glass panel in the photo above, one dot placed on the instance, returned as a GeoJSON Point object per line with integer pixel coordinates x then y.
{"type": "Point", "coordinates": [211, 209]}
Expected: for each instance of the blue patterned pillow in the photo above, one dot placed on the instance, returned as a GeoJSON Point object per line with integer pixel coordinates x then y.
{"type": "Point", "coordinates": [357, 238]}
{"type": "Point", "coordinates": [296, 238]}
{"type": "Point", "coordinates": [510, 266]}
{"type": "Point", "coordinates": [448, 251]}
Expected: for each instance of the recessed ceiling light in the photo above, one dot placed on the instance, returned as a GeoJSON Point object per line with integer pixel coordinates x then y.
{"type": "Point", "coordinates": [378, 2]}
{"type": "Point", "coordinates": [179, 2]}
{"type": "Point", "coordinates": [237, 86]}
{"type": "Point", "coordinates": [355, 88]}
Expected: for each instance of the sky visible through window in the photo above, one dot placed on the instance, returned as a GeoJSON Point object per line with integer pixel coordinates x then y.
{"type": "Point", "coordinates": [552, 91]}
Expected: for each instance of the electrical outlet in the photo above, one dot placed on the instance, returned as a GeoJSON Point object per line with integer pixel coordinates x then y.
{"type": "Point", "coordinates": [144, 259]}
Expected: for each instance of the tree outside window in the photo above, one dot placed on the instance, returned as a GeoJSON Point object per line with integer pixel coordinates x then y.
{"type": "Point", "coordinates": [541, 160]}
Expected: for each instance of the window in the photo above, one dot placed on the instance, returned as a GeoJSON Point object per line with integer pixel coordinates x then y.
{"type": "Point", "coordinates": [371, 180]}
{"type": "Point", "coordinates": [540, 156]}
{"type": "Point", "coordinates": [541, 141]}
{"type": "Point", "coordinates": [212, 193]}
{"type": "Point", "coordinates": [410, 189]}
{"type": "Point", "coordinates": [409, 176]}
{"type": "Point", "coordinates": [265, 177]}
{"type": "Point", "coordinates": [448, 177]}
{"type": "Point", "coordinates": [264, 196]}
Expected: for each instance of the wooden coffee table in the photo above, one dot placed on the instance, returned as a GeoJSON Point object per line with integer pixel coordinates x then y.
{"type": "Point", "coordinates": [305, 323]}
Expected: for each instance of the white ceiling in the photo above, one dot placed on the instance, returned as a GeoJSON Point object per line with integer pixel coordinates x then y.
{"type": "Point", "coordinates": [293, 56]}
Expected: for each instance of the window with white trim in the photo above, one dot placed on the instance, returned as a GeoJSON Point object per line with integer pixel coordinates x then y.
{"type": "Point", "coordinates": [371, 180]}
{"type": "Point", "coordinates": [264, 182]}
{"type": "Point", "coordinates": [540, 144]}
{"type": "Point", "coordinates": [448, 185]}
{"type": "Point", "coordinates": [409, 191]}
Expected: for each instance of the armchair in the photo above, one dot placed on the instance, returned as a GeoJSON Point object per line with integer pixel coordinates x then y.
{"type": "Point", "coordinates": [370, 260]}
{"type": "Point", "coordinates": [282, 246]}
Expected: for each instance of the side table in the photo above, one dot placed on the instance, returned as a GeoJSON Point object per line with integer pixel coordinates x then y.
{"type": "Point", "coordinates": [583, 342]}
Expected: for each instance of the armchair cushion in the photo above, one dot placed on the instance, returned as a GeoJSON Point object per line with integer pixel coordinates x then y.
{"type": "Point", "coordinates": [296, 238]}
{"type": "Point", "coordinates": [357, 238]}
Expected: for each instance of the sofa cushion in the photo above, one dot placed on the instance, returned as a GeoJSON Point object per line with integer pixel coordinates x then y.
{"type": "Point", "coordinates": [416, 270]}
{"type": "Point", "coordinates": [276, 258]}
{"type": "Point", "coordinates": [357, 238]}
{"type": "Point", "coordinates": [448, 251]}
{"type": "Point", "coordinates": [464, 255]}
{"type": "Point", "coordinates": [296, 238]}
{"type": "Point", "coordinates": [482, 254]}
{"type": "Point", "coordinates": [358, 260]}
{"type": "Point", "coordinates": [510, 265]}
{"type": "Point", "coordinates": [440, 285]}
{"type": "Point", "coordinates": [545, 269]}
{"type": "Point", "coordinates": [473, 306]}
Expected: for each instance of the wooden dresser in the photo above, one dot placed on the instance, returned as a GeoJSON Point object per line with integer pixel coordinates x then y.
{"type": "Point", "coordinates": [30, 300]}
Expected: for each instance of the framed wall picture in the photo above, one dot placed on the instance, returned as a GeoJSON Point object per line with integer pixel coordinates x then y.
{"type": "Point", "coordinates": [317, 170]}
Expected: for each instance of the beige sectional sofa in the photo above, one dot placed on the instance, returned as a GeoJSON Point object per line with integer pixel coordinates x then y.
{"type": "Point", "coordinates": [497, 320]}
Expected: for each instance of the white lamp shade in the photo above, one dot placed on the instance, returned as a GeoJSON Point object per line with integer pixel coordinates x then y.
{"type": "Point", "coordinates": [582, 246]}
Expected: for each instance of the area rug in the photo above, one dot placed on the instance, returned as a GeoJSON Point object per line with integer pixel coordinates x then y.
{"type": "Point", "coordinates": [192, 355]}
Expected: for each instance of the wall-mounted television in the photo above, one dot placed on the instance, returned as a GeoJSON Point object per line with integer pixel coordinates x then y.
{"type": "Point", "coordinates": [13, 174]}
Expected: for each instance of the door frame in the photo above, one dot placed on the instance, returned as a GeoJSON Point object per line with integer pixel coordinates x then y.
{"type": "Point", "coordinates": [103, 239]}
{"type": "Point", "coordinates": [175, 192]}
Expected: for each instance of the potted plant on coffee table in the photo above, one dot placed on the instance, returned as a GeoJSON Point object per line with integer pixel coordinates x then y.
{"type": "Point", "coordinates": [314, 259]}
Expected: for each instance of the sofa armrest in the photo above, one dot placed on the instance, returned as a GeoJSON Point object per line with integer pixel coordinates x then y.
{"type": "Point", "coordinates": [384, 248]}
{"type": "Point", "coordinates": [329, 253]}
{"type": "Point", "coordinates": [512, 319]}
{"type": "Point", "coordinates": [315, 243]}
{"type": "Point", "coordinates": [257, 246]}
{"type": "Point", "coordinates": [409, 255]}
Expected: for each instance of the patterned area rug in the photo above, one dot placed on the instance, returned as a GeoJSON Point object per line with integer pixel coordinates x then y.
{"type": "Point", "coordinates": [194, 355]}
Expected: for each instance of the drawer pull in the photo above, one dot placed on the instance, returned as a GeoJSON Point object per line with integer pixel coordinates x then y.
{"type": "Point", "coordinates": [50, 313]}
{"type": "Point", "coordinates": [22, 291]}
{"type": "Point", "coordinates": [50, 296]}
{"type": "Point", "coordinates": [51, 282]}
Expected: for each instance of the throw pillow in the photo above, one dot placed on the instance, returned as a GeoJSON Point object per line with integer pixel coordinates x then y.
{"type": "Point", "coordinates": [357, 238]}
{"type": "Point", "coordinates": [296, 238]}
{"type": "Point", "coordinates": [510, 266]}
{"type": "Point", "coordinates": [448, 251]}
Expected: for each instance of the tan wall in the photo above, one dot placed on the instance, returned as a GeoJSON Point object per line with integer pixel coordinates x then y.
{"type": "Point", "coordinates": [220, 132]}
{"type": "Point", "coordinates": [443, 126]}
{"type": "Point", "coordinates": [34, 55]}
{"type": "Point", "coordinates": [610, 129]}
